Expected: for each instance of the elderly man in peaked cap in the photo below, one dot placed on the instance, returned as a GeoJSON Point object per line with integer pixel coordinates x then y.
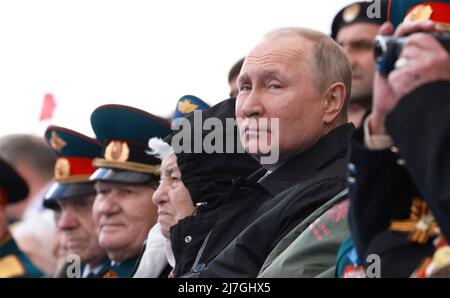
{"type": "Point", "coordinates": [126, 178]}
{"type": "Point", "coordinates": [72, 197]}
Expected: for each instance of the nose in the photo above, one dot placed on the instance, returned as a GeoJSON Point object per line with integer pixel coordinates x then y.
{"type": "Point", "coordinates": [108, 204]}
{"type": "Point", "coordinates": [251, 105]}
{"type": "Point", "coordinates": [67, 220]}
{"type": "Point", "coordinates": [350, 54]}
{"type": "Point", "coordinates": [160, 195]}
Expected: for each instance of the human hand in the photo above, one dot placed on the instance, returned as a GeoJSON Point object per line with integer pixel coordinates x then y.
{"type": "Point", "coordinates": [423, 60]}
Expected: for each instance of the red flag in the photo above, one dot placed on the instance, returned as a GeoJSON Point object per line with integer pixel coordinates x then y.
{"type": "Point", "coordinates": [48, 107]}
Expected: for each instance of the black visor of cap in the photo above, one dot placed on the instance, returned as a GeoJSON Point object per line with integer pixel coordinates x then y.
{"type": "Point", "coordinates": [60, 191]}
{"type": "Point", "coordinates": [16, 188]}
{"type": "Point", "coordinates": [122, 176]}
{"type": "Point", "coordinates": [362, 15]}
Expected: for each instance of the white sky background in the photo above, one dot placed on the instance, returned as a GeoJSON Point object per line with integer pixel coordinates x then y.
{"type": "Point", "coordinates": [145, 54]}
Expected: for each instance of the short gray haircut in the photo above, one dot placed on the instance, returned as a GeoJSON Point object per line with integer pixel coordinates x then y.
{"type": "Point", "coordinates": [159, 148]}
{"type": "Point", "coordinates": [329, 63]}
{"type": "Point", "coordinates": [30, 150]}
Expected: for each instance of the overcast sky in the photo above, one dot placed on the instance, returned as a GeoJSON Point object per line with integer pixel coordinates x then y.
{"type": "Point", "coordinates": [146, 54]}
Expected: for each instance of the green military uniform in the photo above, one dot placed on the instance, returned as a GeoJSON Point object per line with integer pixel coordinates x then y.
{"type": "Point", "coordinates": [13, 261]}
{"type": "Point", "coordinates": [107, 269]}
{"type": "Point", "coordinates": [119, 270]}
{"type": "Point", "coordinates": [310, 249]}
{"type": "Point", "coordinates": [64, 269]}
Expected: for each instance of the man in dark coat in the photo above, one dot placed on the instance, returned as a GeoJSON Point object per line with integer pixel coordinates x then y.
{"type": "Point", "coordinates": [400, 201]}
{"type": "Point", "coordinates": [287, 77]}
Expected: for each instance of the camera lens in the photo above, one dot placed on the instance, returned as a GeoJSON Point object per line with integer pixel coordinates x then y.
{"type": "Point", "coordinates": [380, 53]}
{"type": "Point", "coordinates": [380, 48]}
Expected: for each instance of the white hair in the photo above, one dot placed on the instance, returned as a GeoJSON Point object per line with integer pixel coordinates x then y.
{"type": "Point", "coordinates": [159, 148]}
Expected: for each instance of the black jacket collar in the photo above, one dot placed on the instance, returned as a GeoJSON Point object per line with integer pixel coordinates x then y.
{"type": "Point", "coordinates": [327, 149]}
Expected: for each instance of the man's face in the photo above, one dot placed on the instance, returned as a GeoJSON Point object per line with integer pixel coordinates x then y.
{"type": "Point", "coordinates": [358, 42]}
{"type": "Point", "coordinates": [276, 82]}
{"type": "Point", "coordinates": [123, 215]}
{"type": "Point", "coordinates": [77, 230]}
{"type": "Point", "coordinates": [172, 197]}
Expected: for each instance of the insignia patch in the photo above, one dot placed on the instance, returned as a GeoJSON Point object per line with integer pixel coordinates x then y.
{"type": "Point", "coordinates": [319, 229]}
{"type": "Point", "coordinates": [10, 266]}
{"type": "Point", "coordinates": [421, 225]}
{"type": "Point", "coordinates": [351, 12]}
{"type": "Point", "coordinates": [186, 106]}
{"type": "Point", "coordinates": [338, 212]}
{"type": "Point", "coordinates": [57, 142]}
{"type": "Point", "coordinates": [353, 271]}
{"type": "Point", "coordinates": [62, 169]}
{"type": "Point", "coordinates": [117, 151]}
{"type": "Point", "coordinates": [420, 12]}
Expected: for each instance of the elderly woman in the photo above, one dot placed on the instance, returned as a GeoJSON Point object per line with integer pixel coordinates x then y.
{"type": "Point", "coordinates": [192, 188]}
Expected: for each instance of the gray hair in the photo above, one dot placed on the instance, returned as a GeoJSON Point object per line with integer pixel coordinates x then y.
{"type": "Point", "coordinates": [159, 148]}
{"type": "Point", "coordinates": [329, 63]}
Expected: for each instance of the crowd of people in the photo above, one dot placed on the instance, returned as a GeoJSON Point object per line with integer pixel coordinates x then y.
{"type": "Point", "coordinates": [324, 162]}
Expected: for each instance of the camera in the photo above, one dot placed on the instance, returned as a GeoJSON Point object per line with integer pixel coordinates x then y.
{"type": "Point", "coordinates": [388, 49]}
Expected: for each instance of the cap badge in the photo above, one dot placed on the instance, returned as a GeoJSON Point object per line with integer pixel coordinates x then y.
{"type": "Point", "coordinates": [57, 142]}
{"type": "Point", "coordinates": [420, 12]}
{"type": "Point", "coordinates": [187, 106]}
{"type": "Point", "coordinates": [350, 13]}
{"type": "Point", "coordinates": [62, 169]}
{"type": "Point", "coordinates": [117, 151]}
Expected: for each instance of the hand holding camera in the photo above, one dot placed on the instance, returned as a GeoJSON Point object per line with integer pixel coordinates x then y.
{"type": "Point", "coordinates": [422, 58]}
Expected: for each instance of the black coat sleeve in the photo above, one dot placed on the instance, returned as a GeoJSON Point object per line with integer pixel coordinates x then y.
{"type": "Point", "coordinates": [380, 189]}
{"type": "Point", "coordinates": [420, 128]}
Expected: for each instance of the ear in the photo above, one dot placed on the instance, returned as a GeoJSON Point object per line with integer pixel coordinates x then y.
{"type": "Point", "coordinates": [334, 102]}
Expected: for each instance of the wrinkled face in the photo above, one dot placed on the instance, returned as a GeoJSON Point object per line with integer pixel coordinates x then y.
{"type": "Point", "coordinates": [358, 41]}
{"type": "Point", "coordinates": [123, 215]}
{"type": "Point", "coordinates": [77, 230]}
{"type": "Point", "coordinates": [276, 82]}
{"type": "Point", "coordinates": [172, 197]}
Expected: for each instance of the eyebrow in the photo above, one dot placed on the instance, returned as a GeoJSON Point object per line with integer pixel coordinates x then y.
{"type": "Point", "coordinates": [242, 78]}
{"type": "Point", "coordinates": [171, 170]}
{"type": "Point", "coordinates": [266, 74]}
{"type": "Point", "coordinates": [271, 74]}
